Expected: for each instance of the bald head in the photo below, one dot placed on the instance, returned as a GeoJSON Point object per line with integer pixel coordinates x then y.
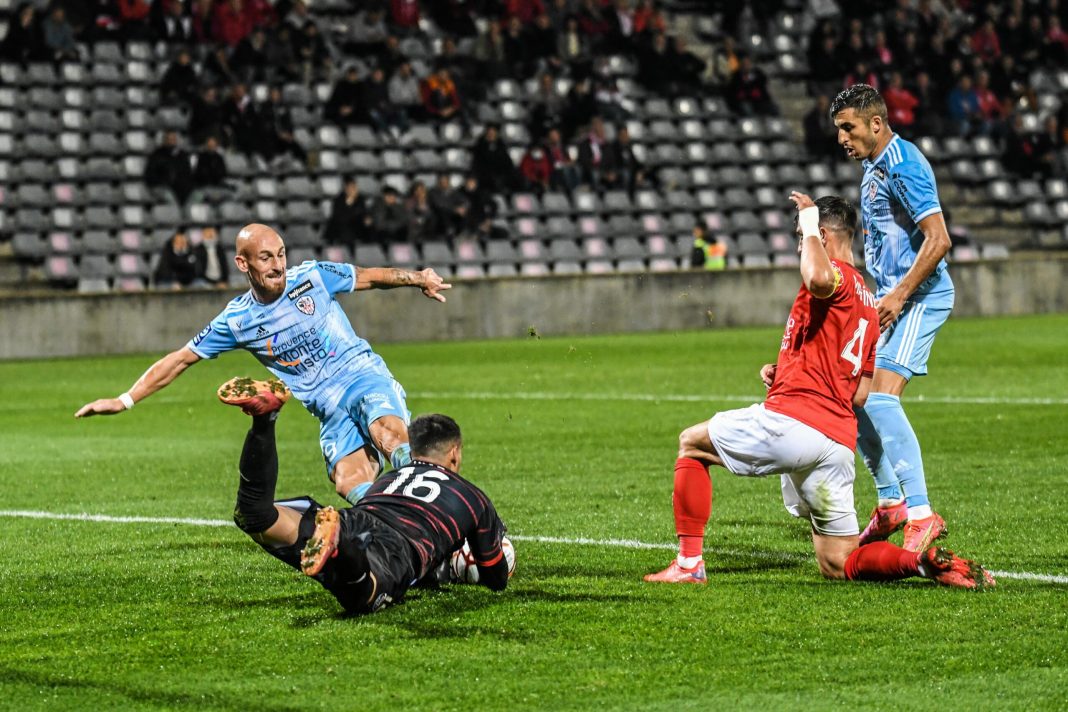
{"type": "Point", "coordinates": [261, 255]}
{"type": "Point", "coordinates": [253, 238]}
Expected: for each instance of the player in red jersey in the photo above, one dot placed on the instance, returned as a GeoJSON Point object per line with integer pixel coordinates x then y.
{"type": "Point", "coordinates": [806, 430]}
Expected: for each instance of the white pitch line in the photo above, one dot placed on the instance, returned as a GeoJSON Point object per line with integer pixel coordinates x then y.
{"type": "Point", "coordinates": [568, 541]}
{"type": "Point", "coordinates": [708, 398]}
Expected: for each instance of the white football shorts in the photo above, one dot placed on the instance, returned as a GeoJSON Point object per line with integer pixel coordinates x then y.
{"type": "Point", "coordinates": [817, 472]}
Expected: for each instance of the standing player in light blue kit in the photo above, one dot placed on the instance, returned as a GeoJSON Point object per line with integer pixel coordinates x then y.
{"type": "Point", "coordinates": [291, 321]}
{"type": "Point", "coordinates": [905, 244]}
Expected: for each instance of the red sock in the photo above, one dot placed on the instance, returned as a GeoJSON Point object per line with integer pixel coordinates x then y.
{"type": "Point", "coordinates": [692, 502]}
{"type": "Point", "coordinates": [881, 561]}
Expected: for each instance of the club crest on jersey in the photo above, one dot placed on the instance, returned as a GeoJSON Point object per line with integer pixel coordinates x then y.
{"type": "Point", "coordinates": [873, 188]}
{"type": "Point", "coordinates": [306, 304]}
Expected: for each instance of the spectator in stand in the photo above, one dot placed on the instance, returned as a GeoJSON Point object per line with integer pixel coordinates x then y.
{"type": "Point", "coordinates": [404, 16]}
{"type": "Point", "coordinates": [241, 120]}
{"type": "Point", "coordinates": [725, 63]}
{"type": "Point", "coordinates": [216, 66]}
{"type": "Point", "coordinates": [249, 61]}
{"type": "Point", "coordinates": [179, 82]}
{"type": "Point", "coordinates": [281, 57]}
{"type": "Point", "coordinates": [177, 266]}
{"type": "Point", "coordinates": [908, 58]}
{"type": "Point", "coordinates": [209, 175]}
{"type": "Point", "coordinates": [298, 15]}
{"type": "Point", "coordinates": [572, 47]}
{"type": "Point", "coordinates": [747, 93]}
{"type": "Point", "coordinates": [206, 115]}
{"type": "Point", "coordinates": [59, 36]}
{"type": "Point", "coordinates": [621, 36]}
{"type": "Point", "coordinates": [480, 204]}
{"type": "Point", "coordinates": [853, 51]}
{"type": "Point", "coordinates": [1020, 155]}
{"type": "Point", "coordinates": [385, 118]}
{"type": "Point", "coordinates": [648, 19]}
{"type": "Point", "coordinates": [547, 107]}
{"type": "Point", "coordinates": [312, 53]}
{"type": "Point", "coordinates": [389, 221]}
{"type": "Point", "coordinates": [211, 264]}
{"type": "Point", "coordinates": [345, 105]}
{"type": "Point", "coordinates": [405, 94]}
{"type": "Point", "coordinates": [591, 152]}
{"type": "Point", "coordinates": [594, 22]}
{"type": "Point", "coordinates": [168, 170]}
{"type": "Point", "coordinates": [350, 221]}
{"type": "Point", "coordinates": [580, 107]}
{"type": "Point", "coordinates": [517, 50]}
{"type": "Point", "coordinates": [929, 107]}
{"type": "Point", "coordinates": [962, 107]}
{"type": "Point", "coordinates": [171, 24]}
{"type": "Point", "coordinates": [565, 175]}
{"type": "Point", "coordinates": [862, 74]}
{"type": "Point", "coordinates": [422, 222]}
{"type": "Point", "coordinates": [491, 164]}
{"type": "Point", "coordinates": [820, 133]}
{"type": "Point", "coordinates": [559, 11]}
{"type": "Point", "coordinates": [1012, 37]}
{"type": "Point", "coordinates": [490, 53]}
{"type": "Point", "coordinates": [1056, 43]}
{"type": "Point", "coordinates": [441, 101]}
{"type": "Point", "coordinates": [390, 57]}
{"type": "Point", "coordinates": [367, 34]}
{"type": "Point", "coordinates": [523, 10]}
{"type": "Point", "coordinates": [609, 100]}
{"type": "Point", "coordinates": [24, 41]}
{"type": "Point", "coordinates": [454, 17]}
{"type": "Point", "coordinates": [1049, 148]}
{"type": "Point", "coordinates": [541, 38]}
{"type": "Point", "coordinates": [900, 105]}
{"type": "Point", "coordinates": [620, 165]}
{"type": "Point", "coordinates": [233, 22]}
{"type": "Point", "coordinates": [689, 68]}
{"type": "Point", "coordinates": [203, 15]}
{"type": "Point", "coordinates": [707, 253]}
{"type": "Point", "coordinates": [276, 130]}
{"type": "Point", "coordinates": [536, 168]}
{"type": "Point", "coordinates": [134, 17]}
{"type": "Point", "coordinates": [985, 43]}
{"type": "Point", "coordinates": [882, 56]}
{"type": "Point", "coordinates": [989, 106]}
{"type": "Point", "coordinates": [450, 206]}
{"type": "Point", "coordinates": [463, 71]}
{"type": "Point", "coordinates": [654, 65]}
{"type": "Point", "coordinates": [825, 72]}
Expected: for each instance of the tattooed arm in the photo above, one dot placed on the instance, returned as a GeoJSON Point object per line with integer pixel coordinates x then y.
{"type": "Point", "coordinates": [429, 281]}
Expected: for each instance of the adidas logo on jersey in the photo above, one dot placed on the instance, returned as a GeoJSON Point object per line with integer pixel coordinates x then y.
{"type": "Point", "coordinates": [261, 332]}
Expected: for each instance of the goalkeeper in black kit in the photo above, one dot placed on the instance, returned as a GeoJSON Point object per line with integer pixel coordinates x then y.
{"type": "Point", "coordinates": [407, 530]}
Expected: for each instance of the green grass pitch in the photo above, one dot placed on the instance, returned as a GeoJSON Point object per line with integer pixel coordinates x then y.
{"type": "Point", "coordinates": [571, 437]}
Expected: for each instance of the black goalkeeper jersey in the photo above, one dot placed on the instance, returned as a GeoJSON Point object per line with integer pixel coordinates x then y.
{"type": "Point", "coordinates": [435, 510]}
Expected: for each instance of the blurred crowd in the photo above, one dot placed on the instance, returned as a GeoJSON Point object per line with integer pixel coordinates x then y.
{"type": "Point", "coordinates": [948, 68]}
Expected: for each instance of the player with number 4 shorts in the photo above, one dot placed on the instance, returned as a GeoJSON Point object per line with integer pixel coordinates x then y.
{"type": "Point", "coordinates": [805, 430]}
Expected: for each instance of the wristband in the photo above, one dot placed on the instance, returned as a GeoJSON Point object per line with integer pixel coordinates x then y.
{"type": "Point", "coordinates": [809, 220]}
{"type": "Point", "coordinates": [127, 400]}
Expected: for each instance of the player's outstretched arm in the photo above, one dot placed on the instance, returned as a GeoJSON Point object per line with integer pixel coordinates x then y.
{"type": "Point", "coordinates": [157, 376]}
{"type": "Point", "coordinates": [429, 281]}
{"type": "Point", "coordinates": [936, 244]}
{"type": "Point", "coordinates": [817, 272]}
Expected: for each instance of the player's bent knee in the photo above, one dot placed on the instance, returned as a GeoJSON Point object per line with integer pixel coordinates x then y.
{"type": "Point", "coordinates": [254, 520]}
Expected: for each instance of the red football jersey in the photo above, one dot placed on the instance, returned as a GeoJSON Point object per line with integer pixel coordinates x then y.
{"type": "Point", "coordinates": [828, 346]}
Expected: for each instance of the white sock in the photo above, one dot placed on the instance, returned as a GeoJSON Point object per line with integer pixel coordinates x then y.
{"type": "Point", "coordinates": [687, 562]}
{"type": "Point", "coordinates": [887, 503]}
{"type": "Point", "coordinates": [921, 512]}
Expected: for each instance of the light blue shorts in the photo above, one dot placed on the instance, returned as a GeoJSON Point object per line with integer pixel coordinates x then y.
{"type": "Point", "coordinates": [375, 394]}
{"type": "Point", "coordinates": [905, 347]}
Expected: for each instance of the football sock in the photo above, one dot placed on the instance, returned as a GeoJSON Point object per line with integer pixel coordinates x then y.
{"type": "Point", "coordinates": [357, 492]}
{"type": "Point", "coordinates": [255, 511]}
{"type": "Point", "coordinates": [401, 456]}
{"type": "Point", "coordinates": [871, 450]}
{"type": "Point", "coordinates": [900, 446]}
{"type": "Point", "coordinates": [921, 512]}
{"type": "Point", "coordinates": [692, 503]}
{"type": "Point", "coordinates": [881, 561]}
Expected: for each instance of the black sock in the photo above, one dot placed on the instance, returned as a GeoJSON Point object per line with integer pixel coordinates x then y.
{"type": "Point", "coordinates": [255, 511]}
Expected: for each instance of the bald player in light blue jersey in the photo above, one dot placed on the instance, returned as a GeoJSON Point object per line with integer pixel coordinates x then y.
{"type": "Point", "coordinates": [292, 323]}
{"type": "Point", "coordinates": [905, 244]}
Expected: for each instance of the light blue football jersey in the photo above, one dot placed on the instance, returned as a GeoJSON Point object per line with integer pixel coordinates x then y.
{"type": "Point", "coordinates": [897, 191]}
{"type": "Point", "coordinates": [303, 337]}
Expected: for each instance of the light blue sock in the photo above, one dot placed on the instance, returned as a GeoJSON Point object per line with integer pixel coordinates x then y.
{"type": "Point", "coordinates": [357, 492]}
{"type": "Point", "coordinates": [401, 456]}
{"type": "Point", "coordinates": [900, 446]}
{"type": "Point", "coordinates": [871, 450]}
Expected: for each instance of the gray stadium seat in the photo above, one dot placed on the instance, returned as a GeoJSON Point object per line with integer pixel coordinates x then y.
{"type": "Point", "coordinates": [370, 256]}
